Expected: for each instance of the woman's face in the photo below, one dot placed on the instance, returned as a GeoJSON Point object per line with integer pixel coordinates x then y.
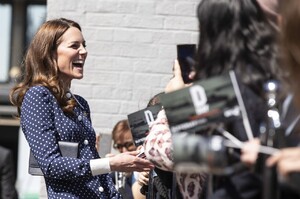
{"type": "Point", "coordinates": [71, 55]}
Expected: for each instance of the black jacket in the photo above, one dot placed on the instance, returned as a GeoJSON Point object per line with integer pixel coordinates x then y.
{"type": "Point", "coordinates": [7, 175]}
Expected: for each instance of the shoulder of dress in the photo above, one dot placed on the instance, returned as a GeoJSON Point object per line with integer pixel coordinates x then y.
{"type": "Point", "coordinates": [39, 89]}
{"type": "Point", "coordinates": [38, 92]}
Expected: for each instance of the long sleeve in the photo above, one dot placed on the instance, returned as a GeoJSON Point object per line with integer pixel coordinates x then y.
{"type": "Point", "coordinates": [158, 143]}
{"type": "Point", "coordinates": [158, 149]}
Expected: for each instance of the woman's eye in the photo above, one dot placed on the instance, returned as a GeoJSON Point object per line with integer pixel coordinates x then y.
{"type": "Point", "coordinates": [75, 46]}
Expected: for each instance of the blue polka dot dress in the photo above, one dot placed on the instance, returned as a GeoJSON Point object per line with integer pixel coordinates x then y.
{"type": "Point", "coordinates": [44, 124]}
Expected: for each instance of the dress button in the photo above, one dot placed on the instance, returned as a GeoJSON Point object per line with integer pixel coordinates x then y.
{"type": "Point", "coordinates": [68, 95]}
{"type": "Point", "coordinates": [86, 142]}
{"type": "Point", "coordinates": [101, 189]}
{"type": "Point", "coordinates": [79, 117]}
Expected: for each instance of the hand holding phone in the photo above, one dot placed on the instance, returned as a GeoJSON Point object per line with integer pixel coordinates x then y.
{"type": "Point", "coordinates": [141, 154]}
{"type": "Point", "coordinates": [176, 82]}
{"type": "Point", "coordinates": [186, 58]}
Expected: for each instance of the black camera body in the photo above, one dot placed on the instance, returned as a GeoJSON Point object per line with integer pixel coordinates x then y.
{"type": "Point", "coordinates": [196, 153]}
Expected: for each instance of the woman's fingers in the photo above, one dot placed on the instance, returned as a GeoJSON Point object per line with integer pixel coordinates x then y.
{"type": "Point", "coordinates": [176, 69]}
{"type": "Point", "coordinates": [250, 152]}
{"type": "Point", "coordinates": [287, 166]}
{"type": "Point", "coordinates": [287, 160]}
{"type": "Point", "coordinates": [143, 178]}
{"type": "Point", "coordinates": [126, 162]}
{"type": "Point", "coordinates": [176, 82]}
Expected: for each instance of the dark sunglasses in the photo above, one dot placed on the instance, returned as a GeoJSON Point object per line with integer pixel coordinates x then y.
{"type": "Point", "coordinates": [127, 145]}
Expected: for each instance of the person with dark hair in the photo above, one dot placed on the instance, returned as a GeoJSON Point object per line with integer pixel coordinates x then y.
{"type": "Point", "coordinates": [234, 35]}
{"type": "Point", "coordinates": [155, 99]}
{"type": "Point", "coordinates": [7, 175]}
{"type": "Point", "coordinates": [50, 113]}
{"type": "Point", "coordinates": [237, 38]}
{"type": "Point", "coordinates": [163, 182]}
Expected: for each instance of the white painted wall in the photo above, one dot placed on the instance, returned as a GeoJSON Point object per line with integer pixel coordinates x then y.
{"type": "Point", "coordinates": [131, 46]}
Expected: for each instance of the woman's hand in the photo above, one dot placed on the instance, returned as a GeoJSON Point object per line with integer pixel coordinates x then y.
{"type": "Point", "coordinates": [176, 82]}
{"type": "Point", "coordinates": [287, 160]}
{"type": "Point", "coordinates": [250, 151]}
{"type": "Point", "coordinates": [139, 184]}
{"type": "Point", "coordinates": [143, 178]}
{"type": "Point", "coordinates": [128, 162]}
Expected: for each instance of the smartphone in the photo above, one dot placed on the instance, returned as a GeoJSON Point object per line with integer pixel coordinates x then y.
{"type": "Point", "coordinates": [141, 154]}
{"type": "Point", "coordinates": [186, 58]}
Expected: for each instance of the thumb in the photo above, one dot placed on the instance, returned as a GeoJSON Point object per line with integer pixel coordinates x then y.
{"type": "Point", "coordinates": [176, 69]}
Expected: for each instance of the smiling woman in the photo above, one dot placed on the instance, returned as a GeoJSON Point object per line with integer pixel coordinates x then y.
{"type": "Point", "coordinates": [50, 113]}
{"type": "Point", "coordinates": [71, 55]}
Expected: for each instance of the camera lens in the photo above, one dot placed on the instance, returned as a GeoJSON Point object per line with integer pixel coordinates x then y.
{"type": "Point", "coordinates": [198, 152]}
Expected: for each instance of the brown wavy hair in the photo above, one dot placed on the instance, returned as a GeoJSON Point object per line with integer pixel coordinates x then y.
{"type": "Point", "coordinates": [40, 64]}
{"type": "Point", "coordinates": [290, 43]}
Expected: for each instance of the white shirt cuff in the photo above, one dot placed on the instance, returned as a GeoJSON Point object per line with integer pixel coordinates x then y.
{"type": "Point", "coordinates": [100, 166]}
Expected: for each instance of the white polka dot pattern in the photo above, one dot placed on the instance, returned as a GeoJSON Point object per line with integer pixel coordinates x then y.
{"type": "Point", "coordinates": [44, 124]}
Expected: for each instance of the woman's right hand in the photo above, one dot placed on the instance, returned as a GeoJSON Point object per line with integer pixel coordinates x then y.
{"type": "Point", "coordinates": [287, 160]}
{"type": "Point", "coordinates": [128, 162]}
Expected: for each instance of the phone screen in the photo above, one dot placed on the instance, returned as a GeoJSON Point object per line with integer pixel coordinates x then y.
{"type": "Point", "coordinates": [186, 58]}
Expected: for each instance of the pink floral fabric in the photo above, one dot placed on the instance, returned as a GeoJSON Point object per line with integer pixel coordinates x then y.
{"type": "Point", "coordinates": [158, 149]}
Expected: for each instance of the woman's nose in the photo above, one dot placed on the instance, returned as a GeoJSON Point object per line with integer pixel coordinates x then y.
{"type": "Point", "coordinates": [82, 50]}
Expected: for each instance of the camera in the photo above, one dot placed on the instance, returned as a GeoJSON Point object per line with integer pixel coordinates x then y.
{"type": "Point", "coordinates": [197, 153]}
{"type": "Point", "coordinates": [195, 118]}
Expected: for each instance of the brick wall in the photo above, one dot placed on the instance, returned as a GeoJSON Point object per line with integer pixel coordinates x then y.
{"type": "Point", "coordinates": [131, 46]}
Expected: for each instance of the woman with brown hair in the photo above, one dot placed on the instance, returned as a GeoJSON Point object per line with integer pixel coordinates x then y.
{"type": "Point", "coordinates": [288, 159]}
{"type": "Point", "coordinates": [50, 113]}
